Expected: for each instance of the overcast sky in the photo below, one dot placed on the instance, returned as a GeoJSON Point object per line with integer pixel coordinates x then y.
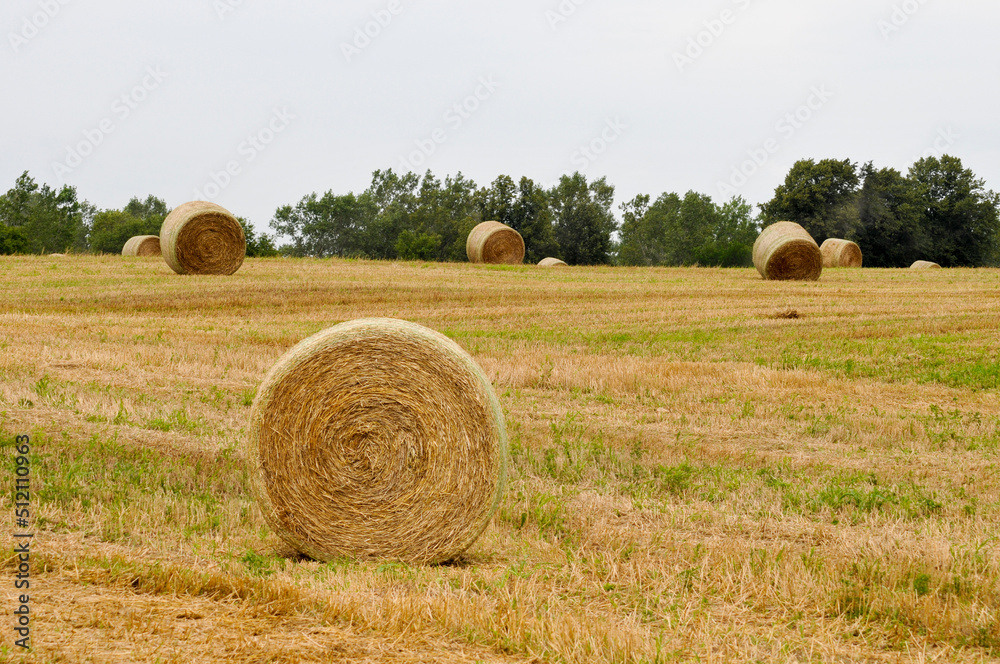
{"type": "Point", "coordinates": [133, 98]}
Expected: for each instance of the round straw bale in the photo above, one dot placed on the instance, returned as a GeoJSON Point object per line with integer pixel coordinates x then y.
{"type": "Point", "coordinates": [841, 253]}
{"type": "Point", "coordinates": [925, 265]}
{"type": "Point", "coordinates": [202, 238]}
{"type": "Point", "coordinates": [551, 262]}
{"type": "Point", "coordinates": [495, 243]}
{"type": "Point", "coordinates": [786, 251]}
{"type": "Point", "coordinates": [142, 245]}
{"type": "Point", "coordinates": [377, 438]}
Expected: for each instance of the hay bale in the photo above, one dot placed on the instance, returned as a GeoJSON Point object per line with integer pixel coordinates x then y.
{"type": "Point", "coordinates": [57, 255]}
{"type": "Point", "coordinates": [494, 243]}
{"type": "Point", "coordinates": [142, 245]}
{"type": "Point", "coordinates": [551, 262]}
{"type": "Point", "coordinates": [841, 253]}
{"type": "Point", "coordinates": [786, 251]}
{"type": "Point", "coordinates": [377, 438]}
{"type": "Point", "coordinates": [925, 265]}
{"type": "Point", "coordinates": [202, 238]}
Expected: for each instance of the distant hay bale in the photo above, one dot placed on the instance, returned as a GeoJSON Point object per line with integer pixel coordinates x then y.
{"type": "Point", "coordinates": [786, 251]}
{"type": "Point", "coordinates": [202, 238]}
{"type": "Point", "coordinates": [841, 253]}
{"type": "Point", "coordinates": [377, 438]}
{"type": "Point", "coordinates": [551, 262]}
{"type": "Point", "coordinates": [494, 243]}
{"type": "Point", "coordinates": [925, 265]}
{"type": "Point", "coordinates": [142, 245]}
{"type": "Point", "coordinates": [57, 255]}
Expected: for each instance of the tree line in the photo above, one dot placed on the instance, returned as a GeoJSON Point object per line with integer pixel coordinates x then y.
{"type": "Point", "coordinates": [938, 211]}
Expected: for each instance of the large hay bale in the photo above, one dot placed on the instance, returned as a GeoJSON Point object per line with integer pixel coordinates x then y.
{"type": "Point", "coordinates": [841, 253]}
{"type": "Point", "coordinates": [786, 251]}
{"type": "Point", "coordinates": [142, 245]}
{"type": "Point", "coordinates": [925, 265]}
{"type": "Point", "coordinates": [551, 262]}
{"type": "Point", "coordinates": [377, 438]}
{"type": "Point", "coordinates": [202, 238]}
{"type": "Point", "coordinates": [495, 243]}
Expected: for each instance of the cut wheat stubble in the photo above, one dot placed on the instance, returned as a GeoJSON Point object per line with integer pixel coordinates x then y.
{"type": "Point", "coordinates": [377, 439]}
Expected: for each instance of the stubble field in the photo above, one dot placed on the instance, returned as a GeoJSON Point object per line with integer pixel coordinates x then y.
{"type": "Point", "coordinates": [705, 467]}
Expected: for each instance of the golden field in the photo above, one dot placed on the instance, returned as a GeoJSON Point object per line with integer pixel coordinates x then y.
{"type": "Point", "coordinates": [706, 467]}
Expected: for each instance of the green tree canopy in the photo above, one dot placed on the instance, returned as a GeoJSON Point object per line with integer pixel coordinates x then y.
{"type": "Point", "coordinates": [889, 212]}
{"type": "Point", "coordinates": [583, 219]}
{"type": "Point", "coordinates": [819, 196]}
{"type": "Point", "coordinates": [960, 221]}
{"type": "Point", "coordinates": [111, 229]}
{"type": "Point", "coordinates": [51, 220]}
{"type": "Point", "coordinates": [686, 231]}
{"type": "Point", "coordinates": [525, 208]}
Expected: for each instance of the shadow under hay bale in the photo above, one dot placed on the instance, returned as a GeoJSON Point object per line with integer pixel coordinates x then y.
{"type": "Point", "coordinates": [841, 253]}
{"type": "Point", "coordinates": [202, 238]}
{"type": "Point", "coordinates": [377, 438]}
{"type": "Point", "coordinates": [785, 251]}
{"type": "Point", "coordinates": [494, 243]}
{"type": "Point", "coordinates": [143, 246]}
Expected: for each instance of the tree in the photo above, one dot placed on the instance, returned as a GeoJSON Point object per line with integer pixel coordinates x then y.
{"type": "Point", "coordinates": [891, 233]}
{"type": "Point", "coordinates": [686, 231]}
{"type": "Point", "coordinates": [149, 209]}
{"type": "Point", "coordinates": [258, 245]}
{"type": "Point", "coordinates": [328, 226]}
{"type": "Point", "coordinates": [111, 229]}
{"type": "Point", "coordinates": [52, 221]}
{"type": "Point", "coordinates": [12, 240]}
{"type": "Point", "coordinates": [819, 196]}
{"type": "Point", "coordinates": [444, 215]}
{"type": "Point", "coordinates": [959, 215]}
{"type": "Point", "coordinates": [393, 198]}
{"type": "Point", "coordinates": [646, 231]}
{"type": "Point", "coordinates": [525, 208]}
{"type": "Point", "coordinates": [583, 219]}
{"type": "Point", "coordinates": [733, 236]}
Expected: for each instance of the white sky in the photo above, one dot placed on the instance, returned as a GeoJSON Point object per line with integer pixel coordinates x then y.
{"type": "Point", "coordinates": [556, 85]}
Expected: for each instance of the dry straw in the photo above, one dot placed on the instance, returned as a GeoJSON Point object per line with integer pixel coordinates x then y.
{"type": "Point", "coordinates": [551, 262]}
{"type": "Point", "coordinates": [493, 242]}
{"type": "Point", "coordinates": [786, 251]}
{"type": "Point", "coordinates": [841, 253]}
{"type": "Point", "coordinates": [142, 245]}
{"type": "Point", "coordinates": [377, 438]}
{"type": "Point", "coordinates": [925, 265]}
{"type": "Point", "coordinates": [202, 238]}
